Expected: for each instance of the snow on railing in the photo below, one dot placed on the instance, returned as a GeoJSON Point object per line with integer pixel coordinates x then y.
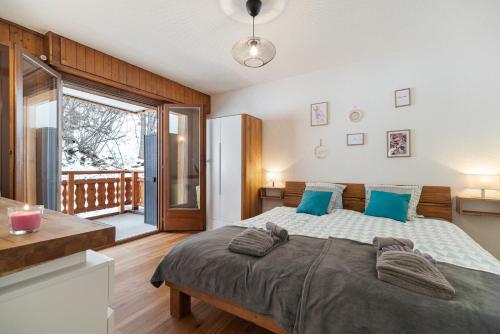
{"type": "Point", "coordinates": [93, 190]}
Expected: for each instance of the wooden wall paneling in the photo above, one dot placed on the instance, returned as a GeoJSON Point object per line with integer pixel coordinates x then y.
{"type": "Point", "coordinates": [28, 39]}
{"type": "Point", "coordinates": [107, 66]}
{"type": "Point", "coordinates": [90, 64]}
{"type": "Point", "coordinates": [16, 35]}
{"type": "Point", "coordinates": [89, 60]}
{"type": "Point", "coordinates": [132, 76]}
{"type": "Point", "coordinates": [80, 57]}
{"type": "Point", "coordinates": [68, 53]}
{"type": "Point", "coordinates": [155, 82]}
{"type": "Point", "coordinates": [114, 69]}
{"type": "Point", "coordinates": [170, 90]}
{"type": "Point", "coordinates": [122, 72]}
{"type": "Point", "coordinates": [251, 166]}
{"type": "Point", "coordinates": [4, 33]}
{"type": "Point", "coordinates": [145, 80]}
{"type": "Point", "coordinates": [119, 70]}
{"type": "Point", "coordinates": [178, 92]}
{"type": "Point", "coordinates": [31, 41]}
{"type": "Point", "coordinates": [99, 63]}
{"type": "Point", "coordinates": [53, 48]}
{"type": "Point", "coordinates": [188, 96]}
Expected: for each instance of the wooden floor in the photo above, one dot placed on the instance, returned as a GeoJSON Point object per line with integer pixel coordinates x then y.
{"type": "Point", "coordinates": [141, 308]}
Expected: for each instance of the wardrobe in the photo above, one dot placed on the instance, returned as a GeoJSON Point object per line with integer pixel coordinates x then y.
{"type": "Point", "coordinates": [234, 169]}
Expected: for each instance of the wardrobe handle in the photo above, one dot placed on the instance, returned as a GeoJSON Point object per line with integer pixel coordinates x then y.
{"type": "Point", "coordinates": [220, 168]}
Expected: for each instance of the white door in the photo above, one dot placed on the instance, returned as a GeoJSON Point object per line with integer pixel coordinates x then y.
{"type": "Point", "coordinates": [230, 159]}
{"type": "Point", "coordinates": [213, 172]}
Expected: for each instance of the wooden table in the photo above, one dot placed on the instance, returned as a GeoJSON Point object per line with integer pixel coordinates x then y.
{"type": "Point", "coordinates": [59, 235]}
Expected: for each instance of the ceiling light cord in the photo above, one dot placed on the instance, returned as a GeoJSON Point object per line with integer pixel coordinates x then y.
{"type": "Point", "coordinates": [253, 28]}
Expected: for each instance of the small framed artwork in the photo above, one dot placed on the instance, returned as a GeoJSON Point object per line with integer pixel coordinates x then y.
{"type": "Point", "coordinates": [354, 139]}
{"type": "Point", "coordinates": [319, 114]}
{"type": "Point", "coordinates": [398, 143]}
{"type": "Point", "coordinates": [402, 97]}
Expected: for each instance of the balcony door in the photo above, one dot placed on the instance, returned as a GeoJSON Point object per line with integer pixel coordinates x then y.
{"type": "Point", "coordinates": [183, 163]}
{"type": "Point", "coordinates": [37, 127]}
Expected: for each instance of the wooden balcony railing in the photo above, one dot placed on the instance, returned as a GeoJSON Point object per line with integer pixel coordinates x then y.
{"type": "Point", "coordinates": [88, 194]}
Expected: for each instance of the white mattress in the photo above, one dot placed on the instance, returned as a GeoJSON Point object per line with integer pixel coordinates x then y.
{"type": "Point", "coordinates": [445, 241]}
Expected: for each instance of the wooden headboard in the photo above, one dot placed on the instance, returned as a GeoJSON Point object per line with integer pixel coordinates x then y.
{"type": "Point", "coordinates": [435, 202]}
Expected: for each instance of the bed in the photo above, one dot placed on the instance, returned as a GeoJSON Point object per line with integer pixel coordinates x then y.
{"type": "Point", "coordinates": [324, 278]}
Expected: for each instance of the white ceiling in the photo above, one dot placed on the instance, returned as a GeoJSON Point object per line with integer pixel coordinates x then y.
{"type": "Point", "coordinates": [190, 41]}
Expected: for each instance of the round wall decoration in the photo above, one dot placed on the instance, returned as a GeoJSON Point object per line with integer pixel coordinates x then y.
{"type": "Point", "coordinates": [356, 115]}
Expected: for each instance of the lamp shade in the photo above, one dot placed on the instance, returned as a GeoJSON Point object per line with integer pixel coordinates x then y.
{"type": "Point", "coordinates": [478, 181]}
{"type": "Point", "coordinates": [273, 177]}
{"type": "Point", "coordinates": [253, 51]}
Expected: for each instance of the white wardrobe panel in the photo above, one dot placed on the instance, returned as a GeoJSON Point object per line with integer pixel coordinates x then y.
{"type": "Point", "coordinates": [230, 160]}
{"type": "Point", "coordinates": [213, 170]}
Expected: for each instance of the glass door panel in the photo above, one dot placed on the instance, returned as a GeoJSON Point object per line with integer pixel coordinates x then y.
{"type": "Point", "coordinates": [183, 159]}
{"type": "Point", "coordinates": [37, 132]}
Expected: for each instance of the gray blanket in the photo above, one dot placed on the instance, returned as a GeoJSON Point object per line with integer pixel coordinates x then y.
{"type": "Point", "coordinates": [311, 285]}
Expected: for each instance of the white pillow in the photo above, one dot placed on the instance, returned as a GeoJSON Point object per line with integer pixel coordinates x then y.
{"type": "Point", "coordinates": [413, 190]}
{"type": "Point", "coordinates": [336, 190]}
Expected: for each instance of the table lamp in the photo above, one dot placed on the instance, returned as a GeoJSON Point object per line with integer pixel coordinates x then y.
{"type": "Point", "coordinates": [483, 182]}
{"type": "Point", "coordinates": [273, 177]}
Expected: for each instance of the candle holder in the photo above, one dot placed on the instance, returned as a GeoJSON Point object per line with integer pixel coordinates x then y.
{"type": "Point", "coordinates": [24, 219]}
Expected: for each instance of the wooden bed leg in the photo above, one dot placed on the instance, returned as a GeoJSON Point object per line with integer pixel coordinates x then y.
{"type": "Point", "coordinates": [180, 304]}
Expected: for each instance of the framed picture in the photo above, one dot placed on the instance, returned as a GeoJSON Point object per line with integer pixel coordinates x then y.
{"type": "Point", "coordinates": [319, 114]}
{"type": "Point", "coordinates": [402, 97]}
{"type": "Point", "coordinates": [398, 143]}
{"type": "Point", "coordinates": [354, 139]}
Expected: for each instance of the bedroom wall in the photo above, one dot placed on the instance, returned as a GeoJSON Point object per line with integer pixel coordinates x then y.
{"type": "Point", "coordinates": [455, 116]}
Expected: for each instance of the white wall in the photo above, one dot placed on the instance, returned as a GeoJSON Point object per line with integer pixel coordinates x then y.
{"type": "Point", "coordinates": [455, 117]}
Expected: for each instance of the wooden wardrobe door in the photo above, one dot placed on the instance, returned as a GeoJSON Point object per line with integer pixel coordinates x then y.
{"type": "Point", "coordinates": [183, 167]}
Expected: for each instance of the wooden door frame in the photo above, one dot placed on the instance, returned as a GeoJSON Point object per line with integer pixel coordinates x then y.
{"type": "Point", "coordinates": [5, 111]}
{"type": "Point", "coordinates": [182, 219]}
{"type": "Point", "coordinates": [19, 120]}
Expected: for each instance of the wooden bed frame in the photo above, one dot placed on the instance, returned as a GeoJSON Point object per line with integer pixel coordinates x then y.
{"type": "Point", "coordinates": [435, 202]}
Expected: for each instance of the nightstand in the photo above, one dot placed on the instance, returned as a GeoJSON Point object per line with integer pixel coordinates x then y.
{"type": "Point", "coordinates": [271, 193]}
{"type": "Point", "coordinates": [271, 197]}
{"type": "Point", "coordinates": [461, 200]}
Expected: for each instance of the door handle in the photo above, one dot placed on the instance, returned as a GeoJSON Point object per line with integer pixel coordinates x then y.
{"type": "Point", "coordinates": [220, 169]}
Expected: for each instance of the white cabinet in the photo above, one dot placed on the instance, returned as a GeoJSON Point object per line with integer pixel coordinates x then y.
{"type": "Point", "coordinates": [230, 197]}
{"type": "Point", "coordinates": [223, 171]}
{"type": "Point", "coordinates": [67, 295]}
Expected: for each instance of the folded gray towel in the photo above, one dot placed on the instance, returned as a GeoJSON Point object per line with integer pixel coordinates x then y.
{"type": "Point", "coordinates": [413, 272]}
{"type": "Point", "coordinates": [408, 249]}
{"type": "Point", "coordinates": [381, 242]}
{"type": "Point", "coordinates": [252, 241]}
{"type": "Point", "coordinates": [280, 232]}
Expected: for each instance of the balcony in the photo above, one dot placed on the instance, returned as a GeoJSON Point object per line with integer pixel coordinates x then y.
{"type": "Point", "coordinates": [114, 197]}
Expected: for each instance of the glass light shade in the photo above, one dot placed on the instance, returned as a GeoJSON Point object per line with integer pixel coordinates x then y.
{"type": "Point", "coordinates": [477, 181]}
{"type": "Point", "coordinates": [253, 52]}
{"type": "Point", "coordinates": [273, 177]}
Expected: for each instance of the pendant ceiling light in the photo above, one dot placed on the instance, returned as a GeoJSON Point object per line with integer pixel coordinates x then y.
{"type": "Point", "coordinates": [253, 51]}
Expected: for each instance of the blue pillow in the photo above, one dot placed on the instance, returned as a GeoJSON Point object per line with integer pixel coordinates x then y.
{"type": "Point", "coordinates": [388, 205]}
{"type": "Point", "coordinates": [314, 202]}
